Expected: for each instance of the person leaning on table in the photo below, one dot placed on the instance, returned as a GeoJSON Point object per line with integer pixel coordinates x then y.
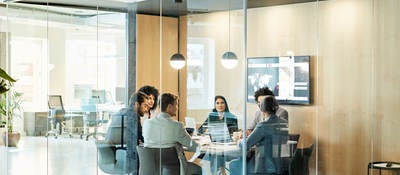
{"type": "Point", "coordinates": [164, 132]}
{"type": "Point", "coordinates": [138, 105]}
{"type": "Point", "coordinates": [261, 138]}
{"type": "Point", "coordinates": [258, 116]}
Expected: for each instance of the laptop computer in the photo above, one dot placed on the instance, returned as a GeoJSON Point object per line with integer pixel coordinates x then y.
{"type": "Point", "coordinates": [219, 132]}
{"type": "Point", "coordinates": [229, 119]}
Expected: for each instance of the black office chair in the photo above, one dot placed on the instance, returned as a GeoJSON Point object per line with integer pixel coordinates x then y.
{"type": "Point", "coordinates": [299, 163]}
{"type": "Point", "coordinates": [292, 149]}
{"type": "Point", "coordinates": [293, 137]}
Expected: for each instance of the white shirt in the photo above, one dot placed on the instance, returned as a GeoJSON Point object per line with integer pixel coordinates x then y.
{"type": "Point", "coordinates": [164, 132]}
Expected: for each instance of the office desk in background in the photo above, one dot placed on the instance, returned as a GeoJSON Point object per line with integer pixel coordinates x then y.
{"type": "Point", "coordinates": [36, 123]}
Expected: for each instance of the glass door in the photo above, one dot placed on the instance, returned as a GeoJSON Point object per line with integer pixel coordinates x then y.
{"type": "Point", "coordinates": [70, 66]}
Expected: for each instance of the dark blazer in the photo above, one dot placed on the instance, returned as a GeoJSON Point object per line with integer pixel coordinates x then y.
{"type": "Point", "coordinates": [267, 138]}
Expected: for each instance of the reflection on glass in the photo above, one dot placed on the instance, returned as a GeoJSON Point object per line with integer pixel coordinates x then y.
{"type": "Point", "coordinates": [201, 73]}
{"type": "Point", "coordinates": [76, 54]}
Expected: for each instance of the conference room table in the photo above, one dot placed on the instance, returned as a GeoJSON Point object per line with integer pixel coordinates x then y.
{"type": "Point", "coordinates": [232, 149]}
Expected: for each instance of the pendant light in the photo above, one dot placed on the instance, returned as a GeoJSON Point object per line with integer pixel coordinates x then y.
{"type": "Point", "coordinates": [229, 59]}
{"type": "Point", "coordinates": [177, 61]}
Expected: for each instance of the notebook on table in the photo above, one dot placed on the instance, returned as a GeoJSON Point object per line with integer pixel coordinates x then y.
{"type": "Point", "coordinates": [219, 132]}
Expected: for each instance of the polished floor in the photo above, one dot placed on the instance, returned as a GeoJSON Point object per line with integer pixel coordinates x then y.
{"type": "Point", "coordinates": [50, 156]}
{"type": "Point", "coordinates": [41, 156]}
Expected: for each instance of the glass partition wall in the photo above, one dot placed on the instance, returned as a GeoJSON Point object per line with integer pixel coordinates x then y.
{"type": "Point", "coordinates": [70, 66]}
{"type": "Point", "coordinates": [215, 89]}
{"type": "Point", "coordinates": [94, 59]}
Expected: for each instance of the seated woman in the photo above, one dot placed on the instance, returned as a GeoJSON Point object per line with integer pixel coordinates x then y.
{"type": "Point", "coordinates": [153, 94]}
{"type": "Point", "coordinates": [220, 114]}
{"type": "Point", "coordinates": [269, 132]}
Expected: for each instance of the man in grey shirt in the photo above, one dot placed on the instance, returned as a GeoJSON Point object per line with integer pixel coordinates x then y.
{"type": "Point", "coordinates": [164, 132]}
{"type": "Point", "coordinates": [258, 117]}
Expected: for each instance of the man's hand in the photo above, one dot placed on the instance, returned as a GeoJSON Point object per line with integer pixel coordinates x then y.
{"type": "Point", "coordinates": [248, 132]}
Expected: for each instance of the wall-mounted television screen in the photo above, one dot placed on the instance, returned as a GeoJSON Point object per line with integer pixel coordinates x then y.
{"type": "Point", "coordinates": [288, 77]}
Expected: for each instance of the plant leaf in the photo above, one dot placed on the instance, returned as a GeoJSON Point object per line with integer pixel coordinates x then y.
{"type": "Point", "coordinates": [4, 75]}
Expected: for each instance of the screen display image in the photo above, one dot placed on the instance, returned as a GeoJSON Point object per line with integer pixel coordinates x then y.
{"type": "Point", "coordinates": [288, 77]}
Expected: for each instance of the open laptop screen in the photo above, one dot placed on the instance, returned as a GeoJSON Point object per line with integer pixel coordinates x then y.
{"type": "Point", "coordinates": [219, 132]}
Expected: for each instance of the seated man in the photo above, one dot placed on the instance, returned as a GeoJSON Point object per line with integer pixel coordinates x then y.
{"type": "Point", "coordinates": [138, 105]}
{"type": "Point", "coordinates": [258, 116]}
{"type": "Point", "coordinates": [268, 135]}
{"type": "Point", "coordinates": [164, 132]}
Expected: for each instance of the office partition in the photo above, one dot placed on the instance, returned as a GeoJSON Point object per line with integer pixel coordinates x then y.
{"type": "Point", "coordinates": [80, 50]}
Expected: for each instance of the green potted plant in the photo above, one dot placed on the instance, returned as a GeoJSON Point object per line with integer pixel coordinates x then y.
{"type": "Point", "coordinates": [10, 106]}
{"type": "Point", "coordinates": [5, 81]}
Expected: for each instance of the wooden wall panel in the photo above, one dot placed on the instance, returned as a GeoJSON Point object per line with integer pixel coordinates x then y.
{"type": "Point", "coordinates": [151, 70]}
{"type": "Point", "coordinates": [385, 121]}
{"type": "Point", "coordinates": [183, 71]}
{"type": "Point", "coordinates": [355, 76]}
{"type": "Point", "coordinates": [148, 51]}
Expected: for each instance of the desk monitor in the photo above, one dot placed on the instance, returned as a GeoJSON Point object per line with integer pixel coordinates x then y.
{"type": "Point", "coordinates": [82, 91]}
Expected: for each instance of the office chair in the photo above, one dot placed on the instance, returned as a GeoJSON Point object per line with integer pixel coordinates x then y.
{"type": "Point", "coordinates": [151, 158]}
{"type": "Point", "coordinates": [293, 146]}
{"type": "Point", "coordinates": [292, 149]}
{"type": "Point", "coordinates": [53, 127]}
{"type": "Point", "coordinates": [299, 163]}
{"type": "Point", "coordinates": [112, 159]}
{"type": "Point", "coordinates": [55, 104]}
{"type": "Point", "coordinates": [90, 117]}
{"type": "Point", "coordinates": [112, 152]}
